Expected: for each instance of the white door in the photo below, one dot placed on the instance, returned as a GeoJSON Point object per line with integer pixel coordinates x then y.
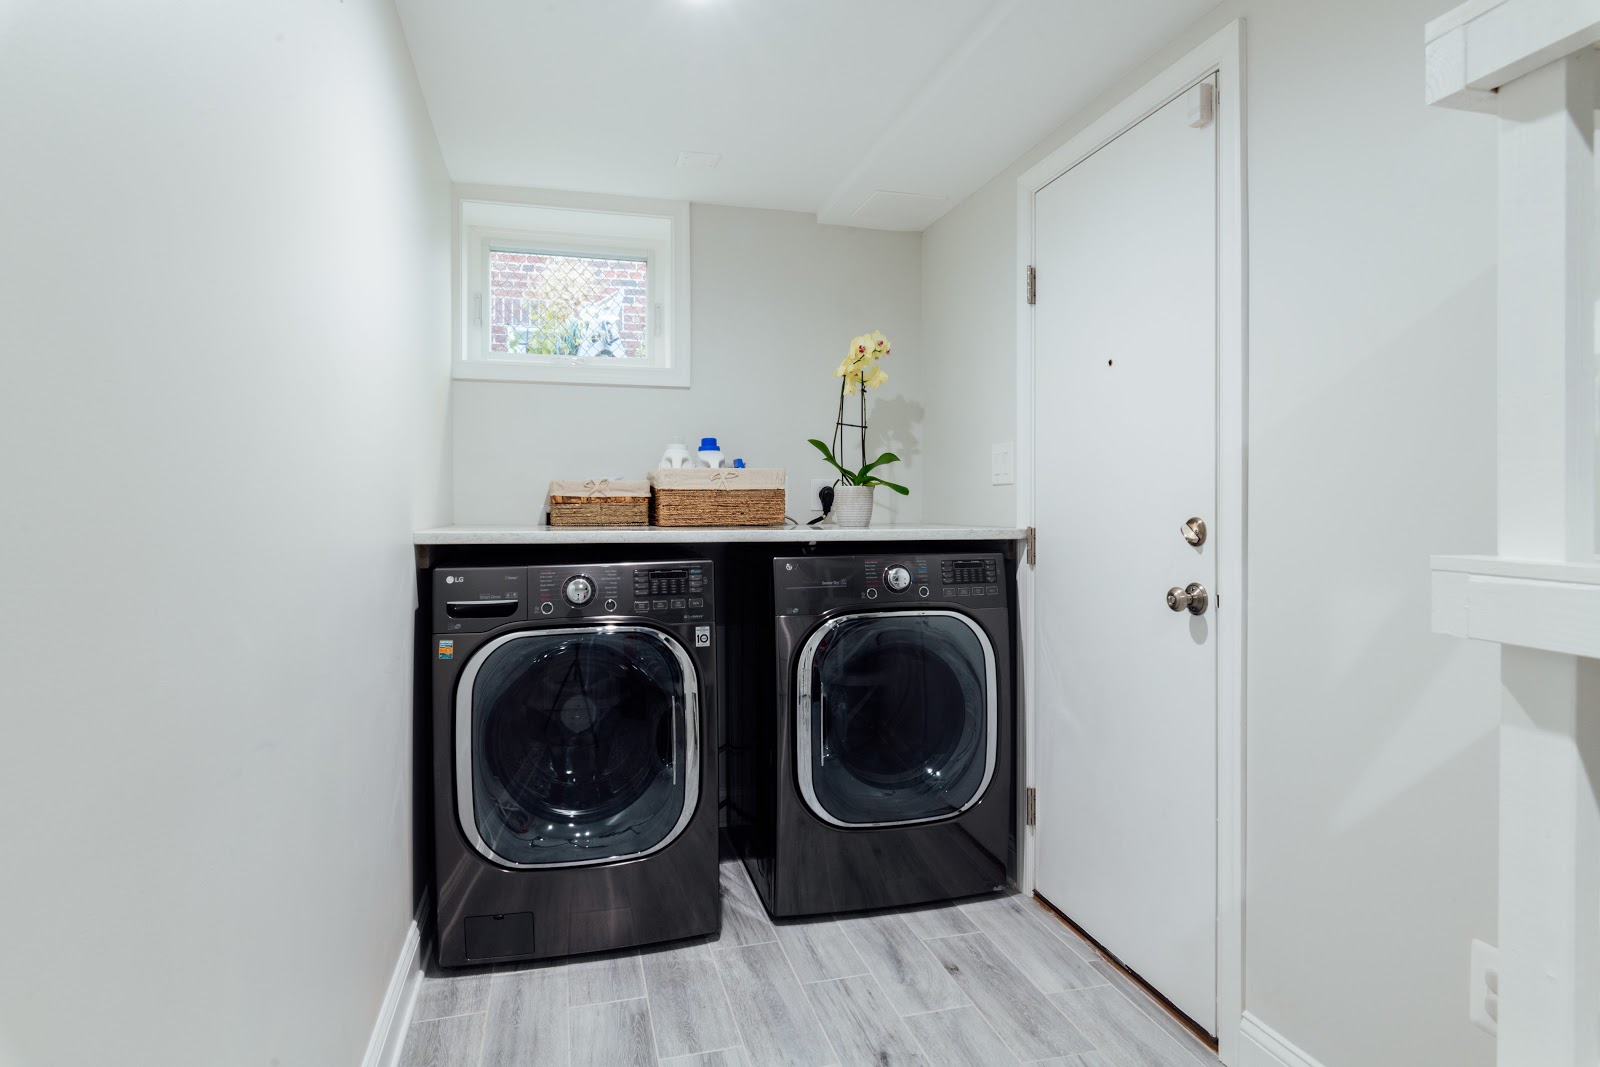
{"type": "Point", "coordinates": [1125, 416]}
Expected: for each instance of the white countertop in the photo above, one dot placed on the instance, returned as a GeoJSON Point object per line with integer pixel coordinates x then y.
{"type": "Point", "coordinates": [635, 535]}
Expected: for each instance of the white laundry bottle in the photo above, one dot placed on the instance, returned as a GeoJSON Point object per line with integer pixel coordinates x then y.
{"type": "Point", "coordinates": [677, 455]}
{"type": "Point", "coordinates": [710, 455]}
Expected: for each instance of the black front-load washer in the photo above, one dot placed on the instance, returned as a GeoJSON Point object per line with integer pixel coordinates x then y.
{"type": "Point", "coordinates": [574, 760]}
{"type": "Point", "coordinates": [880, 773]}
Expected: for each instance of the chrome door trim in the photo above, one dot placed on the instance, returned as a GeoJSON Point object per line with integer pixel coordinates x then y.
{"type": "Point", "coordinates": [803, 714]}
{"type": "Point", "coordinates": [465, 807]}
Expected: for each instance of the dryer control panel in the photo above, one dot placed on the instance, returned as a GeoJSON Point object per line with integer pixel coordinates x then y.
{"type": "Point", "coordinates": [815, 585]}
{"type": "Point", "coordinates": [478, 599]}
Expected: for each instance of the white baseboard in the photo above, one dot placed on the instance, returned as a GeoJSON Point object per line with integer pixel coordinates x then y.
{"type": "Point", "coordinates": [1262, 1046]}
{"type": "Point", "coordinates": [394, 1017]}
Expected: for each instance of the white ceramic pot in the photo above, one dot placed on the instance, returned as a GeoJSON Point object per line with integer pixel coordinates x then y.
{"type": "Point", "coordinates": [852, 505]}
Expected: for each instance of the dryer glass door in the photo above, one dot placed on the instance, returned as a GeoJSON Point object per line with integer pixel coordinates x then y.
{"type": "Point", "coordinates": [896, 717]}
{"type": "Point", "coordinates": [577, 746]}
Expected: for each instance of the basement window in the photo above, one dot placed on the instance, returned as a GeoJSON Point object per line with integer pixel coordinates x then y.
{"type": "Point", "coordinates": [578, 289]}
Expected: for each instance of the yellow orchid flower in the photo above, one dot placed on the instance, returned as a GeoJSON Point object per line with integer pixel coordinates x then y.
{"type": "Point", "coordinates": [860, 366]}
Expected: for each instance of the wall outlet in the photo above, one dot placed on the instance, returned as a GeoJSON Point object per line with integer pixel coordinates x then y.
{"type": "Point", "coordinates": [816, 487]}
{"type": "Point", "coordinates": [1001, 471]}
{"type": "Point", "coordinates": [1483, 991]}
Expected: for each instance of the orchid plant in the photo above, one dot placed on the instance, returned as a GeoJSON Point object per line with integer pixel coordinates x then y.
{"type": "Point", "coordinates": [860, 372]}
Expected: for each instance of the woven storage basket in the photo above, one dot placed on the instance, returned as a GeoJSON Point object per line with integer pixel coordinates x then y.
{"type": "Point", "coordinates": [702, 496]}
{"type": "Point", "coordinates": [600, 503]}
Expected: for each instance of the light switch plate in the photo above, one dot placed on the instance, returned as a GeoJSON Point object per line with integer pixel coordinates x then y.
{"type": "Point", "coordinates": [1001, 471]}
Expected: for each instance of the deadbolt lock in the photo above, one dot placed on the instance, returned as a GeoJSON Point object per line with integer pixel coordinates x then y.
{"type": "Point", "coordinates": [1194, 531]}
{"type": "Point", "coordinates": [1192, 598]}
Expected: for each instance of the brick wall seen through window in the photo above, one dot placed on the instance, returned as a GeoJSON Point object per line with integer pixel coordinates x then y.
{"type": "Point", "coordinates": [567, 305]}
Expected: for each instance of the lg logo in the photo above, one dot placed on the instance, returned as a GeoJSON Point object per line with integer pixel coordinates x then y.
{"type": "Point", "coordinates": [451, 579]}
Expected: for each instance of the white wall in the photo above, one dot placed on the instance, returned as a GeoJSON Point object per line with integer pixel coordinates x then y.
{"type": "Point", "coordinates": [1372, 767]}
{"type": "Point", "coordinates": [776, 299]}
{"type": "Point", "coordinates": [223, 406]}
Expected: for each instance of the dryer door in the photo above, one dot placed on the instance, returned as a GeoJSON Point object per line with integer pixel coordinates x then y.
{"type": "Point", "coordinates": [895, 718]}
{"type": "Point", "coordinates": [577, 746]}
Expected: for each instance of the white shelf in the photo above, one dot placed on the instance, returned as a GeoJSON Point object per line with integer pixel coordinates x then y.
{"type": "Point", "coordinates": [677, 535]}
{"type": "Point", "coordinates": [1554, 607]}
{"type": "Point", "coordinates": [1481, 45]}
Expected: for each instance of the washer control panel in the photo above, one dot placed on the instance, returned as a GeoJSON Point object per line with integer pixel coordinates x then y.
{"type": "Point", "coordinates": [813, 585]}
{"type": "Point", "coordinates": [475, 599]}
{"type": "Point", "coordinates": [579, 590]}
{"type": "Point", "coordinates": [479, 599]}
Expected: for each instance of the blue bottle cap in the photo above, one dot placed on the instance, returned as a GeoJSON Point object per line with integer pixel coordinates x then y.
{"type": "Point", "coordinates": [739, 463]}
{"type": "Point", "coordinates": [708, 444]}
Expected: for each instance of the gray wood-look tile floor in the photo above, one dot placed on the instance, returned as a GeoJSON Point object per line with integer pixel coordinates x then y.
{"type": "Point", "coordinates": [997, 981]}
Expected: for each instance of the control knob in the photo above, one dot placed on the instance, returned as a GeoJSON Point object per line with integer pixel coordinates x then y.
{"type": "Point", "coordinates": [579, 590]}
{"type": "Point", "coordinates": [897, 578]}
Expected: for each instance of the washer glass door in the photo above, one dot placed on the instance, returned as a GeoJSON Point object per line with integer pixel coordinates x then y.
{"type": "Point", "coordinates": [896, 717]}
{"type": "Point", "coordinates": [577, 746]}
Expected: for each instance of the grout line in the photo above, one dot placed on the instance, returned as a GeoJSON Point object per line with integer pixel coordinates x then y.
{"type": "Point", "coordinates": [1158, 1027]}
{"type": "Point", "coordinates": [722, 984]}
{"type": "Point", "coordinates": [937, 962]}
{"type": "Point", "coordinates": [707, 1052]}
{"type": "Point", "coordinates": [1151, 1009]}
{"type": "Point", "coordinates": [835, 977]}
{"type": "Point", "coordinates": [655, 1043]}
{"type": "Point", "coordinates": [1154, 1000]}
{"type": "Point", "coordinates": [599, 1003]}
{"type": "Point", "coordinates": [901, 1019]}
{"type": "Point", "coordinates": [439, 1018]}
{"type": "Point", "coordinates": [995, 1024]}
{"type": "Point", "coordinates": [816, 1017]}
{"type": "Point", "coordinates": [1029, 978]}
{"type": "Point", "coordinates": [933, 1011]}
{"type": "Point", "coordinates": [483, 1038]}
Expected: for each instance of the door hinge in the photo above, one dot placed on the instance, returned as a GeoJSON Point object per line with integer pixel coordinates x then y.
{"type": "Point", "coordinates": [1033, 286]}
{"type": "Point", "coordinates": [1033, 806]}
{"type": "Point", "coordinates": [1033, 545]}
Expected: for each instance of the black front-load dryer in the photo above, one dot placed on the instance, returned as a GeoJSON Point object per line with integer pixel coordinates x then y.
{"type": "Point", "coordinates": [574, 771]}
{"type": "Point", "coordinates": [880, 775]}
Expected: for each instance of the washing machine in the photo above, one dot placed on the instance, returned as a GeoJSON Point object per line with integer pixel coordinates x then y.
{"type": "Point", "coordinates": [880, 773]}
{"type": "Point", "coordinates": [574, 765]}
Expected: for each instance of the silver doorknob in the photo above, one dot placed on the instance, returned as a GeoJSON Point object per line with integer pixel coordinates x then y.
{"type": "Point", "coordinates": [1192, 598]}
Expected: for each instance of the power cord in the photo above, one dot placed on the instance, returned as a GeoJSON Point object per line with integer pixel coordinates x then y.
{"type": "Point", "coordinates": [825, 494]}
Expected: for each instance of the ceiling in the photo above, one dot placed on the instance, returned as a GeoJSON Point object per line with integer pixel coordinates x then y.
{"type": "Point", "coordinates": [878, 113]}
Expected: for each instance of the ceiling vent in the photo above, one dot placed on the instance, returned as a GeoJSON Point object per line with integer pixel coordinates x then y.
{"type": "Point", "coordinates": [699, 160]}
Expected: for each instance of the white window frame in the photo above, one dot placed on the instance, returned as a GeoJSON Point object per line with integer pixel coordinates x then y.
{"type": "Point", "coordinates": [656, 231]}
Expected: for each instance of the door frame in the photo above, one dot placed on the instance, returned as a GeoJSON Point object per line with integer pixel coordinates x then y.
{"type": "Point", "coordinates": [1222, 54]}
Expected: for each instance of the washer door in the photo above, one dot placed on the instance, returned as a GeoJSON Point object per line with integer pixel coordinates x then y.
{"type": "Point", "coordinates": [577, 746]}
{"type": "Point", "coordinates": [896, 717]}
